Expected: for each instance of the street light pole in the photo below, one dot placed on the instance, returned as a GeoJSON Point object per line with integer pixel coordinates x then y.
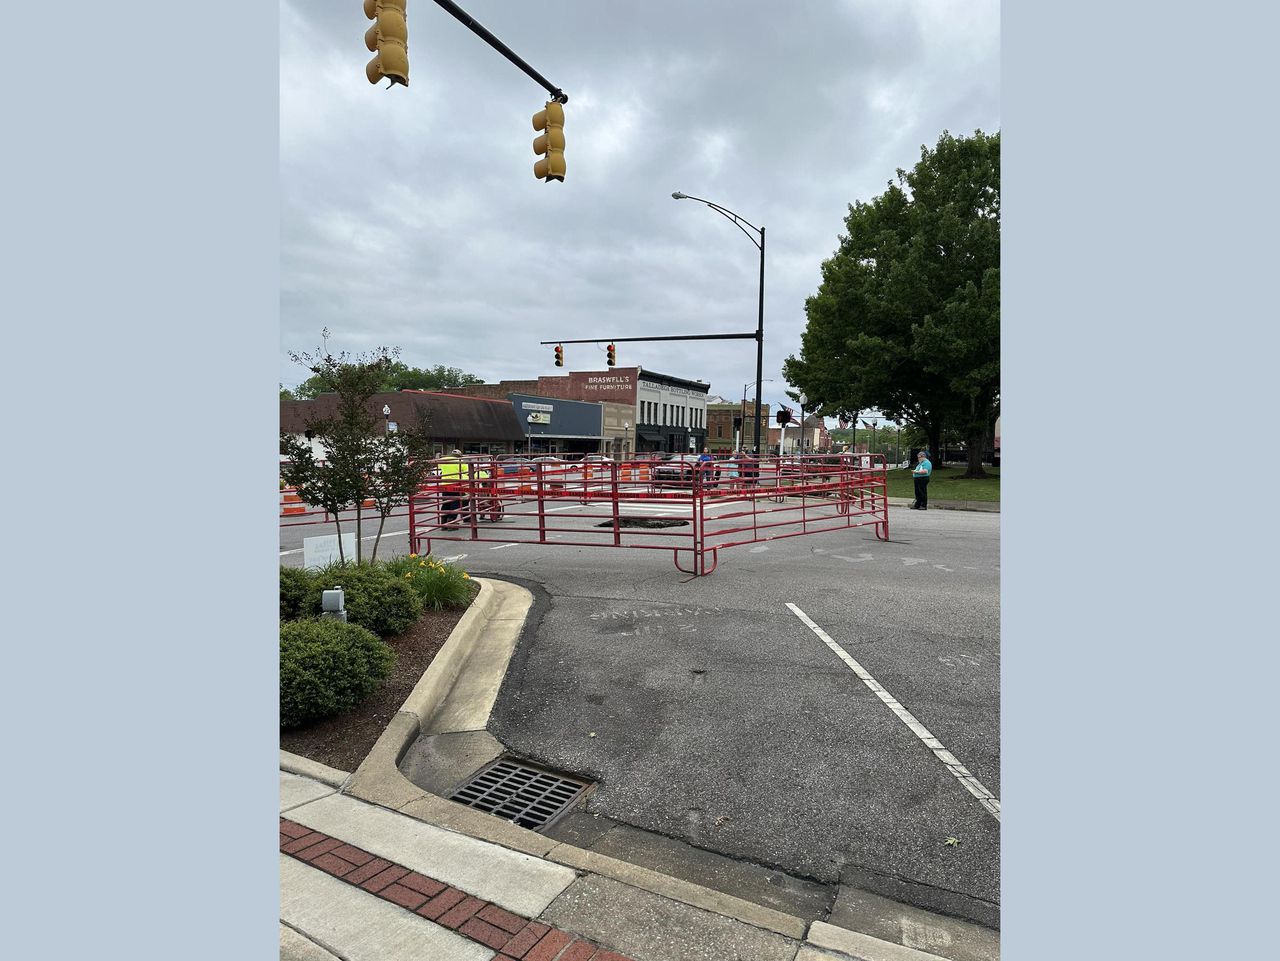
{"type": "Point", "coordinates": [740, 222]}
{"type": "Point", "coordinates": [744, 408]}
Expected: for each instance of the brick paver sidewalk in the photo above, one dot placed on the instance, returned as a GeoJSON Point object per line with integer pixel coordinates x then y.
{"type": "Point", "coordinates": [517, 938]}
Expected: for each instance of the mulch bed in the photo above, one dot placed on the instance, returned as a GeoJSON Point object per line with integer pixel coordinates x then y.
{"type": "Point", "coordinates": [342, 742]}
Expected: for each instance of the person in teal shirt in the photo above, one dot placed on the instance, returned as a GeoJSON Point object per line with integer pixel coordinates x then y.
{"type": "Point", "coordinates": [921, 477]}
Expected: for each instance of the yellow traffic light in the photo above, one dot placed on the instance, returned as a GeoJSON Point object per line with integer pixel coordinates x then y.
{"type": "Point", "coordinates": [388, 38]}
{"type": "Point", "coordinates": [612, 354]}
{"type": "Point", "coordinates": [550, 145]}
{"type": "Point", "coordinates": [559, 356]}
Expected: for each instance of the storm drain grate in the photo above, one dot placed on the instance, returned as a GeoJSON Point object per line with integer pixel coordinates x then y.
{"type": "Point", "coordinates": [529, 796]}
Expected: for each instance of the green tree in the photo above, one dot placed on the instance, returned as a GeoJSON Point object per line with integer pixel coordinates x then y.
{"type": "Point", "coordinates": [906, 319]}
{"type": "Point", "coordinates": [402, 461]}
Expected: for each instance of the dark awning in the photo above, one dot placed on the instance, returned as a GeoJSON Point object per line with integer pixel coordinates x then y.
{"type": "Point", "coordinates": [649, 434]}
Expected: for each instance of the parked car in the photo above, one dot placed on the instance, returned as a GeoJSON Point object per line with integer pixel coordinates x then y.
{"type": "Point", "coordinates": [676, 468]}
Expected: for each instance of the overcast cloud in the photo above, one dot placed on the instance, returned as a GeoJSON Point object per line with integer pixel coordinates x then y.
{"type": "Point", "coordinates": [411, 217]}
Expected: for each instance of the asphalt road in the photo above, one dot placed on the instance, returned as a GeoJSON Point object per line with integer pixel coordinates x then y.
{"type": "Point", "coordinates": [707, 710]}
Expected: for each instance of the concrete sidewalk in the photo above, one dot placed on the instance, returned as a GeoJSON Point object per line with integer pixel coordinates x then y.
{"type": "Point", "coordinates": [365, 883]}
{"type": "Point", "coordinates": [374, 867]}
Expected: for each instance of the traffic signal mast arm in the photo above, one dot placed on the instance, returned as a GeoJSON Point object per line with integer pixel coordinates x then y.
{"type": "Point", "coordinates": [635, 340]}
{"type": "Point", "coordinates": [470, 23]}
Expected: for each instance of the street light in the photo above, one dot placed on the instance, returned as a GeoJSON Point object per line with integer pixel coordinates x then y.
{"type": "Point", "coordinates": [743, 225]}
{"type": "Point", "coordinates": [744, 408]}
{"type": "Point", "coordinates": [804, 399]}
{"type": "Point", "coordinates": [626, 437]}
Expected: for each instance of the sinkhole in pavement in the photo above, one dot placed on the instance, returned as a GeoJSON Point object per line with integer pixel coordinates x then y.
{"type": "Point", "coordinates": [650, 523]}
{"type": "Point", "coordinates": [522, 793]}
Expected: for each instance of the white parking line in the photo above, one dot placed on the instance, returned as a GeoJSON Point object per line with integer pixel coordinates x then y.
{"type": "Point", "coordinates": [971, 783]}
{"type": "Point", "coordinates": [501, 546]}
{"type": "Point", "coordinates": [449, 560]}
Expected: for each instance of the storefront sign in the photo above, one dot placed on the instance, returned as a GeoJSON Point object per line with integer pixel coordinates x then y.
{"type": "Point", "coordinates": [525, 405]}
{"type": "Point", "coordinates": [539, 418]}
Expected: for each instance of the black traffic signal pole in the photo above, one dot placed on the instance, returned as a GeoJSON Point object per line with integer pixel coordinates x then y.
{"type": "Point", "coordinates": [470, 23]}
{"type": "Point", "coordinates": [633, 340]}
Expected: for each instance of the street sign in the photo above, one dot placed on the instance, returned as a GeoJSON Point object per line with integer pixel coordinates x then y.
{"type": "Point", "coordinates": [320, 551]}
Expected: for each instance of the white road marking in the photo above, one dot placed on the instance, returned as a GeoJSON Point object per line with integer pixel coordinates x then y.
{"type": "Point", "coordinates": [298, 550]}
{"type": "Point", "coordinates": [941, 568]}
{"type": "Point", "coordinates": [501, 546]}
{"type": "Point", "coordinates": [962, 774]}
{"type": "Point", "coordinates": [758, 549]}
{"type": "Point", "coordinates": [913, 561]}
{"type": "Point", "coordinates": [853, 560]}
{"type": "Point", "coordinates": [455, 557]}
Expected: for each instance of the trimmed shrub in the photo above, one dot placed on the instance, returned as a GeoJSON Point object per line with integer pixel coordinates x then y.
{"type": "Point", "coordinates": [327, 667]}
{"type": "Point", "coordinates": [298, 597]}
{"type": "Point", "coordinates": [374, 597]}
{"type": "Point", "coordinates": [438, 585]}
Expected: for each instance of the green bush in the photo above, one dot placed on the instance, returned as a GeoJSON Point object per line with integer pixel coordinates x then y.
{"type": "Point", "coordinates": [374, 597]}
{"type": "Point", "coordinates": [327, 667]}
{"type": "Point", "coordinates": [298, 597]}
{"type": "Point", "coordinates": [438, 585]}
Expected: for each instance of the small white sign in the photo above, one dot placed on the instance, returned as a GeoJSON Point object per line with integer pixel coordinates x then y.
{"type": "Point", "coordinates": [524, 405]}
{"type": "Point", "coordinates": [392, 427]}
{"type": "Point", "coordinates": [539, 418]}
{"type": "Point", "coordinates": [319, 551]}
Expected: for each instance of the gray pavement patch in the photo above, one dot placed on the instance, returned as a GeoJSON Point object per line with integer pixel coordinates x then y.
{"type": "Point", "coordinates": [938, 900]}
{"type": "Point", "coordinates": [359, 926]}
{"type": "Point", "coordinates": [439, 763]}
{"type": "Point", "coordinates": [759, 885]}
{"type": "Point", "coordinates": [879, 917]}
{"type": "Point", "coordinates": [643, 925]}
{"type": "Point", "coordinates": [864, 947]}
{"type": "Point", "coordinates": [676, 889]}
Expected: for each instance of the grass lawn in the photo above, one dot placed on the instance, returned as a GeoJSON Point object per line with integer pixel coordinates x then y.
{"type": "Point", "coordinates": [947, 485]}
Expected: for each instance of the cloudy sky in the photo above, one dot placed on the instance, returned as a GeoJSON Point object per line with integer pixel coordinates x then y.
{"type": "Point", "coordinates": [411, 217]}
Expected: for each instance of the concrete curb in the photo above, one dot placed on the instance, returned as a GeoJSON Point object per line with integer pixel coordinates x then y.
{"type": "Point", "coordinates": [305, 767]}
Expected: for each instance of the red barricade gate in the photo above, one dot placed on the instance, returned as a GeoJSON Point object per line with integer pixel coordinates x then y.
{"type": "Point", "coordinates": [689, 507]}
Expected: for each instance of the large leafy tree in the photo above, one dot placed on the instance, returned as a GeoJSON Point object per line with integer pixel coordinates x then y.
{"type": "Point", "coordinates": [907, 317]}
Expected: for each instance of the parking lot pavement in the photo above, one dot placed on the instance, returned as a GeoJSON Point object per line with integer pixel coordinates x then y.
{"type": "Point", "coordinates": [721, 718]}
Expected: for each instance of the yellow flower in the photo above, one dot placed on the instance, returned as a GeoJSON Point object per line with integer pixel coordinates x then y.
{"type": "Point", "coordinates": [410, 574]}
{"type": "Point", "coordinates": [413, 555]}
{"type": "Point", "coordinates": [466, 576]}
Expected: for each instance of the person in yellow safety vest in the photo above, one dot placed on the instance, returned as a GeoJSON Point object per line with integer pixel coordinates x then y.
{"type": "Point", "coordinates": [454, 472]}
{"type": "Point", "coordinates": [457, 475]}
